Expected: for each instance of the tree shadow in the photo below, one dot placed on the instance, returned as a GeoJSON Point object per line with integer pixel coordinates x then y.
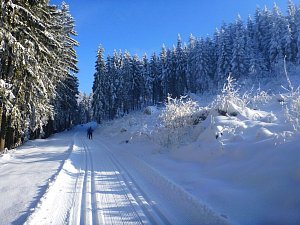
{"type": "Point", "coordinates": [46, 157]}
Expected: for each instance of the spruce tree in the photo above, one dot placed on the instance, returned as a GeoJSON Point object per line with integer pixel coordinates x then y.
{"type": "Point", "coordinates": [238, 61]}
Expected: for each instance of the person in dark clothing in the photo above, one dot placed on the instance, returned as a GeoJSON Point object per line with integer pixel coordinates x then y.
{"type": "Point", "coordinates": [90, 133]}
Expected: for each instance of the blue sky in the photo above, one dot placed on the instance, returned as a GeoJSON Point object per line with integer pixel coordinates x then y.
{"type": "Point", "coordinates": [144, 25]}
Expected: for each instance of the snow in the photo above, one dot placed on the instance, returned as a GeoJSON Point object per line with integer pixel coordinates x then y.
{"type": "Point", "coordinates": [27, 172]}
{"type": "Point", "coordinates": [245, 167]}
{"type": "Point", "coordinates": [70, 179]}
{"type": "Point", "coordinates": [242, 169]}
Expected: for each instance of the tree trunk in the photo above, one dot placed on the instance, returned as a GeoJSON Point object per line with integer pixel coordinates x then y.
{"type": "Point", "coordinates": [48, 128]}
{"type": "Point", "coordinates": [9, 139]}
{"type": "Point", "coordinates": [3, 131]}
{"type": "Point", "coordinates": [1, 108]}
{"type": "Point", "coordinates": [18, 138]}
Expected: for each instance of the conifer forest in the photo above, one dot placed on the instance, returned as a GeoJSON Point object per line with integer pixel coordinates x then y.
{"type": "Point", "coordinates": [38, 83]}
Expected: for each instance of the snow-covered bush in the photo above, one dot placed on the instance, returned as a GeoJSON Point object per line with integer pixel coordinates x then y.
{"type": "Point", "coordinates": [229, 102]}
{"type": "Point", "coordinates": [257, 99]}
{"type": "Point", "coordinates": [292, 110]}
{"type": "Point", "coordinates": [177, 119]}
{"type": "Point", "coordinates": [292, 106]}
{"type": "Point", "coordinates": [179, 113]}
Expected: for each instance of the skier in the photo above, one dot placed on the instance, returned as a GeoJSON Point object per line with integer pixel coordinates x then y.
{"type": "Point", "coordinates": [90, 133]}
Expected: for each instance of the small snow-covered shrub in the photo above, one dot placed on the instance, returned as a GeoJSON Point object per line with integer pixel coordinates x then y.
{"type": "Point", "coordinates": [257, 99]}
{"type": "Point", "coordinates": [179, 113]}
{"type": "Point", "coordinates": [177, 119]}
{"type": "Point", "coordinates": [229, 102]}
{"type": "Point", "coordinates": [292, 110]}
{"type": "Point", "coordinates": [292, 107]}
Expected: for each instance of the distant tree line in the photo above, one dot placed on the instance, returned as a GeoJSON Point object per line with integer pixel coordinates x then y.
{"type": "Point", "coordinates": [252, 49]}
{"type": "Point", "coordinates": [38, 86]}
{"type": "Point", "coordinates": [84, 108]}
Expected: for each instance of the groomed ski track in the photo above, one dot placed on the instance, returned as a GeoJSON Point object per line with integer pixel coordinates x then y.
{"type": "Point", "coordinates": [97, 186]}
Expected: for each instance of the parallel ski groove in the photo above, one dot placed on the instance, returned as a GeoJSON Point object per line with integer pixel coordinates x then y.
{"type": "Point", "coordinates": [154, 215]}
{"type": "Point", "coordinates": [93, 200]}
{"type": "Point", "coordinates": [74, 210]}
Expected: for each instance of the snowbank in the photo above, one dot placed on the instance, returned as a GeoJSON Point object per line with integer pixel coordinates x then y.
{"type": "Point", "coordinates": [244, 165]}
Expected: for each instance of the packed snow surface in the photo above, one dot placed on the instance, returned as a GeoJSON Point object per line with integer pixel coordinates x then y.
{"type": "Point", "coordinates": [242, 169]}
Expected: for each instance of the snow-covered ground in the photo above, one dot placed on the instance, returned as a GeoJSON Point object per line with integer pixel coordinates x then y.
{"type": "Point", "coordinates": [26, 173]}
{"type": "Point", "coordinates": [69, 179]}
{"type": "Point", "coordinates": [241, 169]}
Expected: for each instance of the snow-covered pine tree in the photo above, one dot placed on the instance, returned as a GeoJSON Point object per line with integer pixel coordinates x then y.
{"type": "Point", "coordinates": [171, 72]}
{"type": "Point", "coordinates": [127, 77]}
{"type": "Point", "coordinates": [120, 86]}
{"type": "Point", "coordinates": [181, 69]}
{"type": "Point", "coordinates": [201, 66]}
{"type": "Point", "coordinates": [263, 25]}
{"type": "Point", "coordinates": [224, 53]}
{"type": "Point", "coordinates": [255, 60]}
{"type": "Point", "coordinates": [280, 45]}
{"type": "Point", "coordinates": [239, 65]}
{"type": "Point", "coordinates": [191, 64]}
{"type": "Point", "coordinates": [163, 73]}
{"type": "Point", "coordinates": [98, 92]}
{"type": "Point", "coordinates": [31, 65]}
{"type": "Point", "coordinates": [23, 66]}
{"type": "Point", "coordinates": [293, 28]}
{"type": "Point", "coordinates": [84, 108]}
{"type": "Point", "coordinates": [211, 55]}
{"type": "Point", "coordinates": [65, 103]}
{"type": "Point", "coordinates": [154, 78]}
{"type": "Point", "coordinates": [297, 36]}
{"type": "Point", "coordinates": [146, 92]}
{"type": "Point", "coordinates": [137, 83]}
{"type": "Point", "coordinates": [113, 83]}
{"type": "Point", "coordinates": [106, 88]}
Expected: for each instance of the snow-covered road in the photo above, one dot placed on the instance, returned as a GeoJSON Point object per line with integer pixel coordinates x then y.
{"type": "Point", "coordinates": [94, 185]}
